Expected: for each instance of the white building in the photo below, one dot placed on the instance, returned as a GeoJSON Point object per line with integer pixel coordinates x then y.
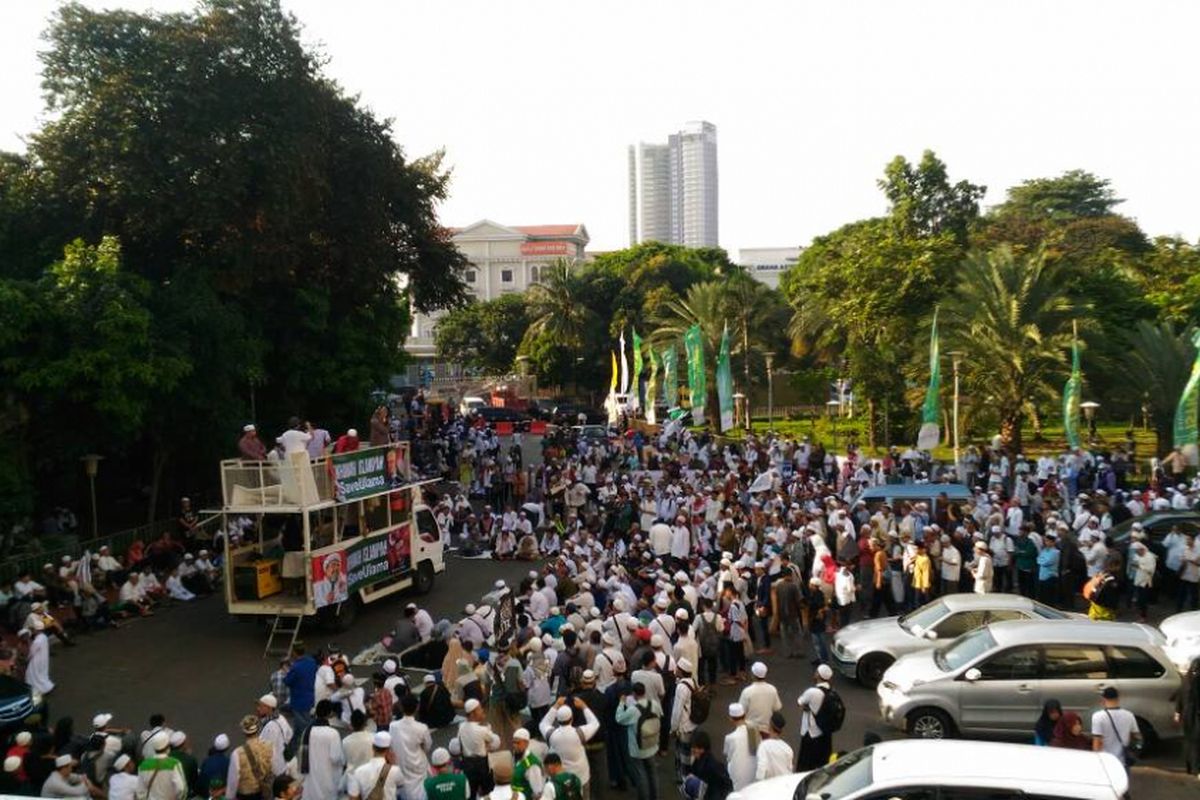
{"type": "Point", "coordinates": [767, 264]}
{"type": "Point", "coordinates": [673, 191]}
{"type": "Point", "coordinates": [502, 260]}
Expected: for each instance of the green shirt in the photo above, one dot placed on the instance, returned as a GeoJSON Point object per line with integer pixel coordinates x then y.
{"type": "Point", "coordinates": [519, 782]}
{"type": "Point", "coordinates": [1026, 555]}
{"type": "Point", "coordinates": [567, 786]}
{"type": "Point", "coordinates": [447, 786]}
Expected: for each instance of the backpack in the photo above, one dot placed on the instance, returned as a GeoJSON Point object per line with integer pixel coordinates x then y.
{"type": "Point", "coordinates": [706, 632]}
{"type": "Point", "coordinates": [701, 703]}
{"type": "Point", "coordinates": [832, 714]}
{"type": "Point", "coordinates": [649, 727]}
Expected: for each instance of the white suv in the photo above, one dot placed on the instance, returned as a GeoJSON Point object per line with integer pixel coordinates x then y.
{"type": "Point", "coordinates": [953, 770]}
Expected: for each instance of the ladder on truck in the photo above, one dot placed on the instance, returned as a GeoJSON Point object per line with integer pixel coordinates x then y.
{"type": "Point", "coordinates": [285, 626]}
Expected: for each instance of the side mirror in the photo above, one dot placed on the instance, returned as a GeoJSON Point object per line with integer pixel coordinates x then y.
{"type": "Point", "coordinates": [930, 634]}
{"type": "Point", "coordinates": [972, 675]}
{"type": "Point", "coordinates": [918, 630]}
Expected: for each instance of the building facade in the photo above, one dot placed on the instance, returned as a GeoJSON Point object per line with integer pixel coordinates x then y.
{"type": "Point", "coordinates": [673, 188]}
{"type": "Point", "coordinates": [767, 264]}
{"type": "Point", "coordinates": [502, 260]}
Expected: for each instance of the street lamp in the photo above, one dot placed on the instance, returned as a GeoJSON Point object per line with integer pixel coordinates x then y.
{"type": "Point", "coordinates": [91, 466]}
{"type": "Point", "coordinates": [1089, 413]}
{"type": "Point", "coordinates": [833, 407]}
{"type": "Point", "coordinates": [956, 357]}
{"type": "Point", "coordinates": [770, 357]}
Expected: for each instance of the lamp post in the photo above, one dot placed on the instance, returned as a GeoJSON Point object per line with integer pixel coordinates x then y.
{"type": "Point", "coordinates": [834, 407]}
{"type": "Point", "coordinates": [770, 357]}
{"type": "Point", "coordinates": [956, 357]}
{"type": "Point", "coordinates": [1089, 412]}
{"type": "Point", "coordinates": [91, 466]}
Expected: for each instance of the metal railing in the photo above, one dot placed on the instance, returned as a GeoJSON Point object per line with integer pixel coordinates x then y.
{"type": "Point", "coordinates": [118, 543]}
{"type": "Point", "coordinates": [297, 480]}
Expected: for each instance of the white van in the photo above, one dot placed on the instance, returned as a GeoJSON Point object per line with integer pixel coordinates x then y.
{"type": "Point", "coordinates": [953, 770]}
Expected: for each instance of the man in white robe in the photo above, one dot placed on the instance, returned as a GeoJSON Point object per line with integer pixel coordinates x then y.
{"type": "Point", "coordinates": [37, 672]}
{"type": "Point", "coordinates": [325, 756]}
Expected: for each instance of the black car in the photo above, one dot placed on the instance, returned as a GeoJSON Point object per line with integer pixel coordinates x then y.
{"type": "Point", "coordinates": [492, 414]}
{"type": "Point", "coordinates": [19, 706]}
{"type": "Point", "coordinates": [567, 414]}
{"type": "Point", "coordinates": [1156, 524]}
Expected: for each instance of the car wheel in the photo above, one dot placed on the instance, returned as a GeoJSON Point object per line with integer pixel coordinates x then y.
{"type": "Point", "coordinates": [872, 667]}
{"type": "Point", "coordinates": [930, 723]}
{"type": "Point", "coordinates": [423, 583]}
{"type": "Point", "coordinates": [1150, 739]}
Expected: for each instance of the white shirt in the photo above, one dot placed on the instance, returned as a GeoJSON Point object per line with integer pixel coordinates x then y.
{"type": "Point", "coordinates": [411, 744]}
{"type": "Point", "coordinates": [295, 441]}
{"type": "Point", "coordinates": [810, 703]}
{"type": "Point", "coordinates": [760, 699]}
{"type": "Point", "coordinates": [363, 779]}
{"type": "Point", "coordinates": [738, 758]}
{"type": "Point", "coordinates": [775, 757]}
{"type": "Point", "coordinates": [660, 538]}
{"type": "Point", "coordinates": [122, 786]}
{"type": "Point", "coordinates": [324, 683]}
{"type": "Point", "coordinates": [681, 541]}
{"type": "Point", "coordinates": [951, 563]}
{"type": "Point", "coordinates": [983, 573]}
{"type": "Point", "coordinates": [681, 709]}
{"type": "Point", "coordinates": [326, 761]}
{"type": "Point", "coordinates": [476, 739]}
{"type": "Point", "coordinates": [568, 741]}
{"type": "Point", "coordinates": [277, 732]}
{"type": "Point", "coordinates": [1114, 740]}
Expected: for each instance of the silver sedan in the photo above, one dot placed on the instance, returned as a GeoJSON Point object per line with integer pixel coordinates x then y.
{"type": "Point", "coordinates": [866, 649]}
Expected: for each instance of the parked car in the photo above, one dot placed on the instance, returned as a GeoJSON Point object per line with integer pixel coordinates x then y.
{"type": "Point", "coordinates": [864, 650]}
{"type": "Point", "coordinates": [931, 493]}
{"type": "Point", "coordinates": [1156, 524]}
{"type": "Point", "coordinates": [954, 770]}
{"type": "Point", "coordinates": [20, 706]}
{"type": "Point", "coordinates": [993, 680]}
{"type": "Point", "coordinates": [592, 434]}
{"type": "Point", "coordinates": [567, 414]}
{"type": "Point", "coordinates": [470, 404]}
{"type": "Point", "coordinates": [1182, 632]}
{"type": "Point", "coordinates": [491, 415]}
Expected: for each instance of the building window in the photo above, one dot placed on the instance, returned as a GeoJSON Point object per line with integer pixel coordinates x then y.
{"type": "Point", "coordinates": [533, 274]}
{"type": "Point", "coordinates": [506, 276]}
{"type": "Point", "coordinates": [470, 276]}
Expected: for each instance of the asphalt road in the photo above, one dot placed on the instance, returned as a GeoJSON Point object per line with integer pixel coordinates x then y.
{"type": "Point", "coordinates": [204, 669]}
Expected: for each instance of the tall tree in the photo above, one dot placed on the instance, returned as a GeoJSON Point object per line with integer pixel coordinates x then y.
{"type": "Point", "coordinates": [1073, 195]}
{"type": "Point", "coordinates": [255, 199]}
{"type": "Point", "coordinates": [1011, 316]}
{"type": "Point", "coordinates": [1154, 367]}
{"type": "Point", "coordinates": [484, 335]}
{"type": "Point", "coordinates": [923, 200]}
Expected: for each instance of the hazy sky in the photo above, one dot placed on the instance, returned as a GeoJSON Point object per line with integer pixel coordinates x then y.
{"type": "Point", "coordinates": [535, 102]}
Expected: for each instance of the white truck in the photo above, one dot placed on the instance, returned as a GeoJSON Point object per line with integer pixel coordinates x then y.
{"type": "Point", "coordinates": [319, 537]}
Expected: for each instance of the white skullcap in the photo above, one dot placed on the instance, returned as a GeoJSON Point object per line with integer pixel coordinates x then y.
{"type": "Point", "coordinates": [656, 641]}
{"type": "Point", "coordinates": [683, 665]}
{"type": "Point", "coordinates": [382, 740]}
{"type": "Point", "coordinates": [759, 669]}
{"type": "Point", "coordinates": [122, 762]}
{"type": "Point", "coordinates": [825, 672]}
{"type": "Point", "coordinates": [440, 757]}
{"type": "Point", "coordinates": [471, 705]}
{"type": "Point", "coordinates": [564, 714]}
{"type": "Point", "coordinates": [24, 738]}
{"type": "Point", "coordinates": [64, 760]}
{"type": "Point", "coordinates": [221, 742]}
{"type": "Point", "coordinates": [12, 763]}
{"type": "Point", "coordinates": [269, 701]}
{"type": "Point", "coordinates": [99, 721]}
{"type": "Point", "coordinates": [520, 735]}
{"type": "Point", "coordinates": [681, 613]}
{"type": "Point", "coordinates": [736, 710]}
{"type": "Point", "coordinates": [160, 741]}
{"type": "Point", "coordinates": [429, 678]}
{"type": "Point", "coordinates": [389, 666]}
{"type": "Point", "coordinates": [178, 738]}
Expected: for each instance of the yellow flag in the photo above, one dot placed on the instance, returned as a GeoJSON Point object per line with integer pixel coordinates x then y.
{"type": "Point", "coordinates": [612, 387]}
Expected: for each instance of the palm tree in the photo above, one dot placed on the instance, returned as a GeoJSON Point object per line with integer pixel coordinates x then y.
{"type": "Point", "coordinates": [558, 308]}
{"type": "Point", "coordinates": [1155, 364]}
{"type": "Point", "coordinates": [1011, 318]}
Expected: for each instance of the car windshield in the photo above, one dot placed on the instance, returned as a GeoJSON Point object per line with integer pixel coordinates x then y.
{"type": "Point", "coordinates": [964, 649]}
{"type": "Point", "coordinates": [1046, 612]}
{"type": "Point", "coordinates": [849, 774]}
{"type": "Point", "coordinates": [924, 616]}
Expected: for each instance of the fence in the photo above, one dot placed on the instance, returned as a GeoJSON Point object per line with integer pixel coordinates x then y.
{"type": "Point", "coordinates": [118, 543]}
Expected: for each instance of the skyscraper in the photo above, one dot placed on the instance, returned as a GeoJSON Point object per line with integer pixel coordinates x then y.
{"type": "Point", "coordinates": [673, 188]}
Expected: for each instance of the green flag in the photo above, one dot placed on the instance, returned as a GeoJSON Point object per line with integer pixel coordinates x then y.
{"type": "Point", "coordinates": [693, 343]}
{"type": "Point", "coordinates": [637, 370]}
{"type": "Point", "coordinates": [1072, 391]}
{"type": "Point", "coordinates": [652, 388]}
{"type": "Point", "coordinates": [670, 377]}
{"type": "Point", "coordinates": [725, 382]}
{"type": "Point", "coordinates": [930, 433]}
{"type": "Point", "coordinates": [1185, 413]}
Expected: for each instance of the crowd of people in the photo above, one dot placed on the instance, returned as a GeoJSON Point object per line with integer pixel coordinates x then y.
{"type": "Point", "coordinates": [666, 567]}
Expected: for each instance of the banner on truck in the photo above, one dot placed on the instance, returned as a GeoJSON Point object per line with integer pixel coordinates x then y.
{"type": "Point", "coordinates": [360, 563]}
